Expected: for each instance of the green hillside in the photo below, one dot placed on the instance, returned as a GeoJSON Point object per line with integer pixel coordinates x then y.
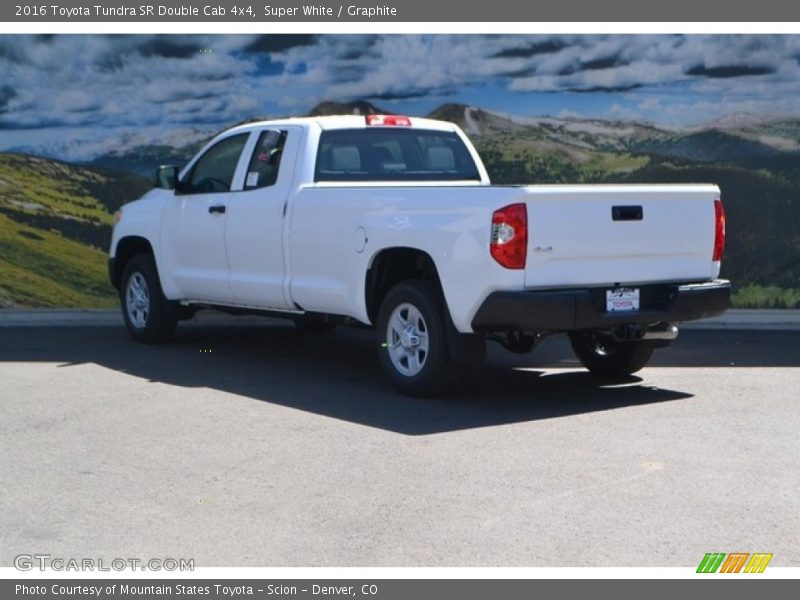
{"type": "Point", "coordinates": [525, 158]}
{"type": "Point", "coordinates": [55, 226]}
{"type": "Point", "coordinates": [709, 146]}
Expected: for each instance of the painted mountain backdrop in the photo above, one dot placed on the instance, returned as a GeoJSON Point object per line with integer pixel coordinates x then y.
{"type": "Point", "coordinates": [85, 119]}
{"type": "Point", "coordinates": [55, 216]}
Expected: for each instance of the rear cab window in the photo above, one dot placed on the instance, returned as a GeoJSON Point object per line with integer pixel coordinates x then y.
{"type": "Point", "coordinates": [393, 154]}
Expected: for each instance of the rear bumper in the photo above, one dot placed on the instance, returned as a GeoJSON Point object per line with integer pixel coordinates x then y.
{"type": "Point", "coordinates": [568, 310]}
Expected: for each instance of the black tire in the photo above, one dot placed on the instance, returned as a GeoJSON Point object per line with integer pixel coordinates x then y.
{"type": "Point", "coordinates": [314, 323]}
{"type": "Point", "coordinates": [605, 357]}
{"type": "Point", "coordinates": [156, 321]}
{"type": "Point", "coordinates": [437, 373]}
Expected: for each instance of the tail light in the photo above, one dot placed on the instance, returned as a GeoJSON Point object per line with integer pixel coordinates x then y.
{"type": "Point", "coordinates": [509, 244]}
{"type": "Point", "coordinates": [719, 231]}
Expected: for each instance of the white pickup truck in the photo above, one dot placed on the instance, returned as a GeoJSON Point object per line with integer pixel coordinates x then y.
{"type": "Point", "coordinates": [391, 221]}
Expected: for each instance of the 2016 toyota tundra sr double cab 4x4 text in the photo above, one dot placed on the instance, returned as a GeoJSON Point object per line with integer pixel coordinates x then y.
{"type": "Point", "coordinates": [391, 221]}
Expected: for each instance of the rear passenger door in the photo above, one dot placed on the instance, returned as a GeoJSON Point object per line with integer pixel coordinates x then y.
{"type": "Point", "coordinates": [254, 228]}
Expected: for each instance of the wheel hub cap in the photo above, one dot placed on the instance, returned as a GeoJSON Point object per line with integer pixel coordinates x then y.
{"type": "Point", "coordinates": [410, 339]}
{"type": "Point", "coordinates": [407, 339]}
{"type": "Point", "coordinates": [137, 300]}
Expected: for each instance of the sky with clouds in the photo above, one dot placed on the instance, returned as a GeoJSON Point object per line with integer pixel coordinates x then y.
{"type": "Point", "coordinates": [92, 87]}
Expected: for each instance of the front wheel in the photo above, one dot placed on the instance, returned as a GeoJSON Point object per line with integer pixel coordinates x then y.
{"type": "Point", "coordinates": [412, 340]}
{"type": "Point", "coordinates": [605, 357]}
{"type": "Point", "coordinates": [149, 316]}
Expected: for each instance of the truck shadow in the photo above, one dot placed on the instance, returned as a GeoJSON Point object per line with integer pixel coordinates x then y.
{"type": "Point", "coordinates": [335, 375]}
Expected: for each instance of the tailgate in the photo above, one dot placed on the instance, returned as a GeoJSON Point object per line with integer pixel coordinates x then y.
{"type": "Point", "coordinates": [629, 234]}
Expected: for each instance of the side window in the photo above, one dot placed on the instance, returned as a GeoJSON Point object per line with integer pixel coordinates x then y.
{"type": "Point", "coordinates": [266, 160]}
{"type": "Point", "coordinates": [214, 171]}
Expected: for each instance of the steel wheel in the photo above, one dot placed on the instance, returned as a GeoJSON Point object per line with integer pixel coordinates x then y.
{"type": "Point", "coordinates": [412, 340]}
{"type": "Point", "coordinates": [407, 339]}
{"type": "Point", "coordinates": [137, 300]}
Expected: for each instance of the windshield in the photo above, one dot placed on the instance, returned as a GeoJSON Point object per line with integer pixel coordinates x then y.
{"type": "Point", "coordinates": [393, 154]}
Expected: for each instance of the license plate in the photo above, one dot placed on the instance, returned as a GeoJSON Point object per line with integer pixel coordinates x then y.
{"type": "Point", "coordinates": [622, 299]}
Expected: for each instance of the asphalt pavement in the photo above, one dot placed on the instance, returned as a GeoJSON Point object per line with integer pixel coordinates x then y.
{"type": "Point", "coordinates": [248, 444]}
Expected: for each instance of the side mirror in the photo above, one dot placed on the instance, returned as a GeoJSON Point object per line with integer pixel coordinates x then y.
{"type": "Point", "coordinates": [166, 177]}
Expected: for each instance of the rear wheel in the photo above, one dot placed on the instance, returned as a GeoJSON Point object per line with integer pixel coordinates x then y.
{"type": "Point", "coordinates": [606, 357]}
{"type": "Point", "coordinates": [413, 345]}
{"type": "Point", "coordinates": [149, 316]}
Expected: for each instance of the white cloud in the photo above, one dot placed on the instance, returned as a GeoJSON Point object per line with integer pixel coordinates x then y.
{"type": "Point", "coordinates": [150, 81]}
{"type": "Point", "coordinates": [650, 104]}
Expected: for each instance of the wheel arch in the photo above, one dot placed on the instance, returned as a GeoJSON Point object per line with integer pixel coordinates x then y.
{"type": "Point", "coordinates": [127, 247]}
{"type": "Point", "coordinates": [390, 266]}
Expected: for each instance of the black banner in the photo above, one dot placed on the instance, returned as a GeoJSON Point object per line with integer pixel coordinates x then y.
{"type": "Point", "coordinates": [386, 589]}
{"type": "Point", "coordinates": [326, 11]}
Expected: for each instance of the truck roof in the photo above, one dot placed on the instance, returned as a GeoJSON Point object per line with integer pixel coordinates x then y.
{"type": "Point", "coordinates": [346, 122]}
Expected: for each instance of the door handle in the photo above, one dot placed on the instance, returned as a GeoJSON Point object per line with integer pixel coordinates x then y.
{"type": "Point", "coordinates": [217, 208]}
{"type": "Point", "coordinates": [626, 213]}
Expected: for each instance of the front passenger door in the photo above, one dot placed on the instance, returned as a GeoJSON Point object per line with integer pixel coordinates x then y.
{"type": "Point", "coordinates": [193, 226]}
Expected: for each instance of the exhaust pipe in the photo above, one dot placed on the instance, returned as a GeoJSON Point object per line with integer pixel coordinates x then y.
{"type": "Point", "coordinates": [661, 332]}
